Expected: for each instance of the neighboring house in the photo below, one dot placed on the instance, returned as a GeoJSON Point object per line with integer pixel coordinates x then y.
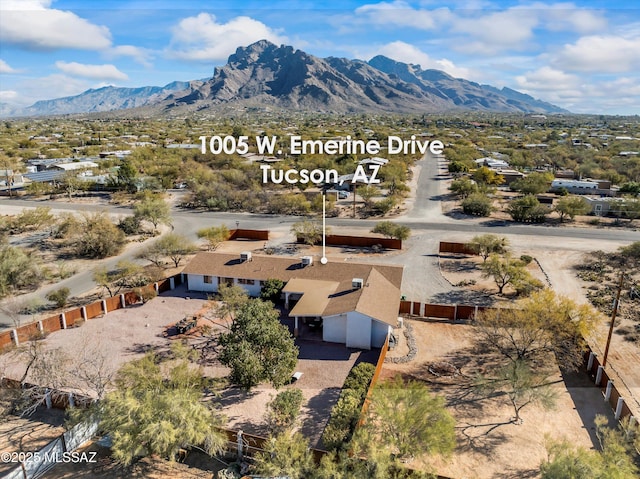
{"type": "Point", "coordinates": [583, 187]}
{"type": "Point", "coordinates": [575, 186]}
{"type": "Point", "coordinates": [43, 163]}
{"type": "Point", "coordinates": [117, 153]}
{"type": "Point", "coordinates": [565, 174]}
{"type": "Point", "coordinates": [355, 304]}
{"type": "Point", "coordinates": [376, 160]}
{"type": "Point", "coordinates": [75, 165]}
{"type": "Point", "coordinates": [10, 178]}
{"type": "Point", "coordinates": [491, 163]}
{"type": "Point", "coordinates": [48, 176]}
{"type": "Point", "coordinates": [184, 146]}
{"type": "Point", "coordinates": [510, 175]}
{"type": "Point", "coordinates": [603, 206]}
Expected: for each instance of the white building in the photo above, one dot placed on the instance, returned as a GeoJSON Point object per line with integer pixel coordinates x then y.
{"type": "Point", "coordinates": [76, 165]}
{"type": "Point", "coordinates": [492, 162]}
{"type": "Point", "coordinates": [355, 304]}
{"type": "Point", "coordinates": [575, 186]}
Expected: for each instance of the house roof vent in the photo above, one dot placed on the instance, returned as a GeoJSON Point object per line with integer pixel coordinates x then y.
{"type": "Point", "coordinates": [245, 256]}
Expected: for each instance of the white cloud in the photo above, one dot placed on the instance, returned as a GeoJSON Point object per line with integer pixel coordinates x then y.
{"type": "Point", "coordinates": [202, 38]}
{"type": "Point", "coordinates": [56, 85]}
{"type": "Point", "coordinates": [33, 25]}
{"type": "Point", "coordinates": [8, 95]}
{"type": "Point", "coordinates": [547, 79]}
{"type": "Point", "coordinates": [97, 72]}
{"type": "Point", "coordinates": [140, 55]}
{"type": "Point", "coordinates": [5, 68]}
{"type": "Point", "coordinates": [581, 94]}
{"type": "Point", "coordinates": [510, 29]}
{"type": "Point", "coordinates": [600, 53]}
{"type": "Point", "coordinates": [407, 53]}
{"type": "Point", "coordinates": [569, 17]}
{"type": "Point", "coordinates": [481, 28]}
{"type": "Point", "coordinates": [402, 14]}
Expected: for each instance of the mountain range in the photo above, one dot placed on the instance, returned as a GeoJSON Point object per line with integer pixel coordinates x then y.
{"type": "Point", "coordinates": [264, 75]}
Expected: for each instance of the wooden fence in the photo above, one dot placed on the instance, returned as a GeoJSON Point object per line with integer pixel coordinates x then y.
{"type": "Point", "coordinates": [458, 248]}
{"type": "Point", "coordinates": [454, 312]}
{"type": "Point", "coordinates": [601, 379]}
{"type": "Point", "coordinates": [236, 234]}
{"type": "Point", "coordinates": [374, 379]}
{"type": "Point", "coordinates": [359, 241]}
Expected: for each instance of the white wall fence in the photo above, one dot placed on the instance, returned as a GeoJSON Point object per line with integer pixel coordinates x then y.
{"type": "Point", "coordinates": [38, 463]}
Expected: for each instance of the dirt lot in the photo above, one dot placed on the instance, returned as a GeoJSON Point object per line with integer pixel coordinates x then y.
{"type": "Point", "coordinates": [558, 267]}
{"type": "Point", "coordinates": [460, 269]}
{"type": "Point", "coordinates": [489, 445]}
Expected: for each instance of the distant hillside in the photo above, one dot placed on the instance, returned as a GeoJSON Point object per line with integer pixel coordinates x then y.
{"type": "Point", "coordinates": [103, 99]}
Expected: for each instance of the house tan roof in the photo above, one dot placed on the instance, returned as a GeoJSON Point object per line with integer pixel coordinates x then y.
{"type": "Point", "coordinates": [315, 298]}
{"type": "Point", "coordinates": [379, 297]}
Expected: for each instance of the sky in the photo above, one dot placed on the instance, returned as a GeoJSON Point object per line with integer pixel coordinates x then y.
{"type": "Point", "coordinates": [582, 56]}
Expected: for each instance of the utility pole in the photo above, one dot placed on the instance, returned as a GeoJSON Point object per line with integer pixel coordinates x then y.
{"type": "Point", "coordinates": [613, 320]}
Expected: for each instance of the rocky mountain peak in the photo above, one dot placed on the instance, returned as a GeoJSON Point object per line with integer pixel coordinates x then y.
{"type": "Point", "coordinates": [266, 75]}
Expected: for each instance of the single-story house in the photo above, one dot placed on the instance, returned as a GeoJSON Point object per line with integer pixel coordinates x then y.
{"type": "Point", "coordinates": [602, 206]}
{"type": "Point", "coordinates": [575, 186]}
{"type": "Point", "coordinates": [355, 304]}
{"type": "Point", "coordinates": [582, 187]}
{"type": "Point", "coordinates": [376, 160]}
{"type": "Point", "coordinates": [493, 163]}
{"type": "Point", "coordinates": [11, 178]}
{"type": "Point", "coordinates": [510, 175]}
{"type": "Point", "coordinates": [75, 165]}
{"type": "Point", "coordinates": [47, 176]}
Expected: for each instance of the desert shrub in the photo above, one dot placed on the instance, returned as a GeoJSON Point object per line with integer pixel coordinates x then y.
{"type": "Point", "coordinates": [527, 210]}
{"type": "Point", "coordinates": [382, 207]}
{"type": "Point", "coordinates": [346, 413]}
{"type": "Point", "coordinates": [283, 410]}
{"type": "Point", "coordinates": [526, 259]}
{"type": "Point", "coordinates": [477, 204]}
{"type": "Point", "coordinates": [527, 285]}
{"type": "Point", "coordinates": [59, 297]}
{"type": "Point", "coordinates": [130, 225]}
